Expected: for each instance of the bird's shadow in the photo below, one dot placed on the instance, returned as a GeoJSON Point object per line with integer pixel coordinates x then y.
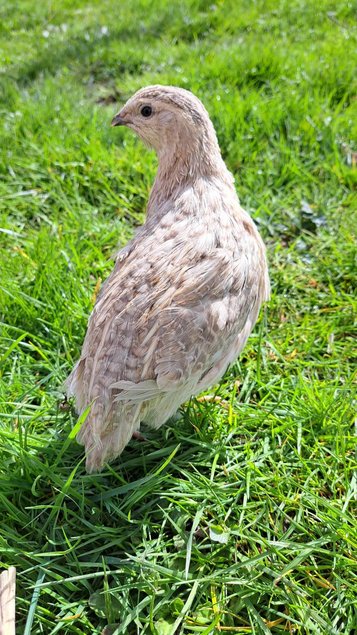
{"type": "Point", "coordinates": [186, 437]}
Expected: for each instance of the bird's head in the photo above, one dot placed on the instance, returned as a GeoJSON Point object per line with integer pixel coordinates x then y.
{"type": "Point", "coordinates": [165, 117]}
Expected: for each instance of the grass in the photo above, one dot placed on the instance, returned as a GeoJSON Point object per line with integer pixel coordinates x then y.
{"type": "Point", "coordinates": [239, 518]}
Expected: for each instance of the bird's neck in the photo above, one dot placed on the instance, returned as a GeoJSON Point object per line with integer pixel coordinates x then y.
{"type": "Point", "coordinates": [181, 163]}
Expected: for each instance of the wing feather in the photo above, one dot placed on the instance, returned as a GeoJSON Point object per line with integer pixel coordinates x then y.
{"type": "Point", "coordinates": [170, 317]}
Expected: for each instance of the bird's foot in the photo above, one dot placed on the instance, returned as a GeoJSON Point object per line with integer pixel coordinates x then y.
{"type": "Point", "coordinates": [138, 436]}
{"type": "Point", "coordinates": [213, 399]}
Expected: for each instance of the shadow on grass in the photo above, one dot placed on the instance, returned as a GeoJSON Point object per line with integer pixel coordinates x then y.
{"type": "Point", "coordinates": [80, 525]}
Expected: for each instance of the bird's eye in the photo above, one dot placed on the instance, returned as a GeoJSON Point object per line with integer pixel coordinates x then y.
{"type": "Point", "coordinates": [146, 111]}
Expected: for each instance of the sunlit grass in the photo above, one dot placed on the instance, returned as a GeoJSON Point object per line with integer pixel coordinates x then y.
{"type": "Point", "coordinates": [240, 517]}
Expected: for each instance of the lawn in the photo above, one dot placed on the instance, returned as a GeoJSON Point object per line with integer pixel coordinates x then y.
{"type": "Point", "coordinates": [241, 516]}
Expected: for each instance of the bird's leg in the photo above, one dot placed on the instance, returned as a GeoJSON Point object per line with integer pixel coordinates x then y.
{"type": "Point", "coordinates": [138, 436]}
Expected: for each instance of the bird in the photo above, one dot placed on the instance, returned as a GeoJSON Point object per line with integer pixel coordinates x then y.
{"type": "Point", "coordinates": [185, 291]}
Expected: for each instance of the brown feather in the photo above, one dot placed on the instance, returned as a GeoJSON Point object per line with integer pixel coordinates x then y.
{"type": "Point", "coordinates": [184, 294]}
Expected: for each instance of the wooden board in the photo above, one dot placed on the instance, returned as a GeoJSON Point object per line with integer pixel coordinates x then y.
{"type": "Point", "coordinates": [7, 601]}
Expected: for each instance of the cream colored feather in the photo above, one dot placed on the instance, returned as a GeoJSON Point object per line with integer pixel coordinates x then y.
{"type": "Point", "coordinates": [184, 294]}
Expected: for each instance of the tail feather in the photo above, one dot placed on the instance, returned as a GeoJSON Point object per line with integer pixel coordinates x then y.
{"type": "Point", "coordinates": [109, 425]}
{"type": "Point", "coordinates": [105, 434]}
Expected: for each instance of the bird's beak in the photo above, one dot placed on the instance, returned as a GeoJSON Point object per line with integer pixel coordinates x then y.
{"type": "Point", "coordinates": [118, 120]}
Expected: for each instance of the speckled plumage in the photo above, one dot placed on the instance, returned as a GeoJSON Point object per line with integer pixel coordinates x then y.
{"type": "Point", "coordinates": [184, 294]}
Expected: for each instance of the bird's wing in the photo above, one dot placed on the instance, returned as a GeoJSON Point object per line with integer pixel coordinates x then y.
{"type": "Point", "coordinates": [169, 312]}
